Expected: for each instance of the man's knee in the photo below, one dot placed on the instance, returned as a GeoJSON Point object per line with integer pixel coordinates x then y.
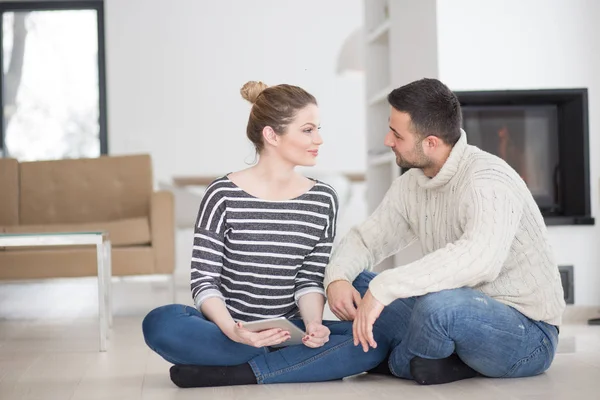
{"type": "Point", "coordinates": [361, 283]}
{"type": "Point", "coordinates": [450, 302]}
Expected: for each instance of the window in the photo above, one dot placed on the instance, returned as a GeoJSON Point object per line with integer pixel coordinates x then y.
{"type": "Point", "coordinates": [53, 80]}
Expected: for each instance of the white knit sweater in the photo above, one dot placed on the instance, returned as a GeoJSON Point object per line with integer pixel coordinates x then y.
{"type": "Point", "coordinates": [478, 226]}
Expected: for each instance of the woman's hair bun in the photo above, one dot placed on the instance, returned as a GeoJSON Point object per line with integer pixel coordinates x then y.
{"type": "Point", "coordinates": [252, 89]}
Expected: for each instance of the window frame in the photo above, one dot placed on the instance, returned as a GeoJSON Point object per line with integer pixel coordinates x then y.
{"type": "Point", "coordinates": [96, 5]}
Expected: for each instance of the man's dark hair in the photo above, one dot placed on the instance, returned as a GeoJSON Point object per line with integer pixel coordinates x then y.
{"type": "Point", "coordinates": [433, 108]}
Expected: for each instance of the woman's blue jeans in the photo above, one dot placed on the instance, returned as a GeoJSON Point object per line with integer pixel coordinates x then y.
{"type": "Point", "coordinates": [492, 338]}
{"type": "Point", "coordinates": [182, 335]}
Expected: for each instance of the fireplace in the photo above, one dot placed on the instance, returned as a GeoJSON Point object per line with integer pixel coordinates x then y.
{"type": "Point", "coordinates": [527, 139]}
{"type": "Point", "coordinates": [543, 135]}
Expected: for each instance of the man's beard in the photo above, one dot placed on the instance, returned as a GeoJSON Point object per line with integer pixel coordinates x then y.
{"type": "Point", "coordinates": [422, 162]}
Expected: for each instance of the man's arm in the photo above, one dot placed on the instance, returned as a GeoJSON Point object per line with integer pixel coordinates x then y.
{"type": "Point", "coordinates": [384, 233]}
{"type": "Point", "coordinates": [492, 211]}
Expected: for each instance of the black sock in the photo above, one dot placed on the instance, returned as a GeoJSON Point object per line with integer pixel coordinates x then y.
{"type": "Point", "coordinates": [382, 369]}
{"type": "Point", "coordinates": [188, 376]}
{"type": "Point", "coordinates": [445, 370]}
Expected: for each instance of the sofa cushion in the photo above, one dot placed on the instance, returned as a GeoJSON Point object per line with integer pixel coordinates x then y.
{"type": "Point", "coordinates": [126, 232]}
{"type": "Point", "coordinates": [9, 191]}
{"type": "Point", "coordinates": [82, 190]}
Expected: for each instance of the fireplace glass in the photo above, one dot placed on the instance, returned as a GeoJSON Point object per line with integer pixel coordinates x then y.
{"type": "Point", "coordinates": [526, 137]}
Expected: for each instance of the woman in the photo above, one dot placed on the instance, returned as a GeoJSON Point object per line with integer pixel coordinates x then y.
{"type": "Point", "coordinates": [262, 240]}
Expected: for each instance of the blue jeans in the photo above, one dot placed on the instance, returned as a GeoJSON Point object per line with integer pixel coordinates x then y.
{"type": "Point", "coordinates": [182, 335]}
{"type": "Point", "coordinates": [492, 338]}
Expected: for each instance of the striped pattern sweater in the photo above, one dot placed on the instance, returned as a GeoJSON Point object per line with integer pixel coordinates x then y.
{"type": "Point", "coordinates": [261, 256]}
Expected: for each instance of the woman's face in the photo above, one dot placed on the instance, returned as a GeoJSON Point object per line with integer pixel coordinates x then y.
{"type": "Point", "coordinates": [300, 143]}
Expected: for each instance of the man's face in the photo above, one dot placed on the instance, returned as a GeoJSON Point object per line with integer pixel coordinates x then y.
{"type": "Point", "coordinates": [404, 142]}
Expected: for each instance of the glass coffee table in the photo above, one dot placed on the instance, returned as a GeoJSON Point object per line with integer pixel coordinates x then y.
{"type": "Point", "coordinates": [103, 253]}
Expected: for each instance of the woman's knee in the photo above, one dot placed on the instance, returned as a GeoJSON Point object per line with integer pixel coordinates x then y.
{"type": "Point", "coordinates": [158, 321]}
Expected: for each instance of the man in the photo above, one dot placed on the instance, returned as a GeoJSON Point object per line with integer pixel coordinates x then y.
{"type": "Point", "coordinates": [486, 298]}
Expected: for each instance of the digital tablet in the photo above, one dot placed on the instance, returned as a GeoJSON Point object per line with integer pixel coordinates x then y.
{"type": "Point", "coordinates": [296, 334]}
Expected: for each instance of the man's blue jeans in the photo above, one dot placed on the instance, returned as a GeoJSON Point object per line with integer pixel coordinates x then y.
{"type": "Point", "coordinates": [182, 335]}
{"type": "Point", "coordinates": [492, 338]}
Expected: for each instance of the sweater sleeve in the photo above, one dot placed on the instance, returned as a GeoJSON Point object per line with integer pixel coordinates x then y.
{"type": "Point", "coordinates": [384, 233]}
{"type": "Point", "coordinates": [207, 252]}
{"type": "Point", "coordinates": [311, 274]}
{"type": "Point", "coordinates": [490, 212]}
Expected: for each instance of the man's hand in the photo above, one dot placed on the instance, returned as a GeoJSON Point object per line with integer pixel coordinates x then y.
{"type": "Point", "coordinates": [317, 335]}
{"type": "Point", "coordinates": [362, 328]}
{"type": "Point", "coordinates": [343, 300]}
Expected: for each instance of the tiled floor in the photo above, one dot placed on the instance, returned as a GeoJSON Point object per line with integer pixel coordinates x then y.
{"type": "Point", "coordinates": [49, 350]}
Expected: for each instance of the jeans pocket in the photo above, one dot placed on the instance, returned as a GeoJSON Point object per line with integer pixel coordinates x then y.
{"type": "Point", "coordinates": [535, 363]}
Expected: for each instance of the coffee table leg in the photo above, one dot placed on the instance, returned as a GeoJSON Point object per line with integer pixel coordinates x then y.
{"type": "Point", "coordinates": [109, 291]}
{"type": "Point", "coordinates": [100, 252]}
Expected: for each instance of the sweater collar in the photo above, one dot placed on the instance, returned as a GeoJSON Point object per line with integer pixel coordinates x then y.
{"type": "Point", "coordinates": [449, 168]}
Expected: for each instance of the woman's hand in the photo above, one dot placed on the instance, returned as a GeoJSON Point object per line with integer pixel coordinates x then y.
{"type": "Point", "coordinates": [311, 308]}
{"type": "Point", "coordinates": [269, 337]}
{"type": "Point", "coordinates": [317, 335]}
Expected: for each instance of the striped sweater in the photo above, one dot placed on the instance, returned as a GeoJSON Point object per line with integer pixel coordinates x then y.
{"type": "Point", "coordinates": [261, 256]}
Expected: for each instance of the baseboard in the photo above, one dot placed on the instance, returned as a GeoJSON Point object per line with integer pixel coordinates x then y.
{"type": "Point", "coordinates": [577, 315]}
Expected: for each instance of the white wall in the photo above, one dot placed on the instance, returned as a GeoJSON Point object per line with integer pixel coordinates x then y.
{"type": "Point", "coordinates": [174, 73]}
{"type": "Point", "coordinates": [523, 44]}
{"type": "Point", "coordinates": [174, 70]}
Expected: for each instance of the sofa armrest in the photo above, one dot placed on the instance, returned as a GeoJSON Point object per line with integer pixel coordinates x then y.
{"type": "Point", "coordinates": [162, 230]}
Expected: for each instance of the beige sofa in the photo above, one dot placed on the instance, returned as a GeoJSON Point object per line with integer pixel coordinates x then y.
{"type": "Point", "coordinates": [113, 194]}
